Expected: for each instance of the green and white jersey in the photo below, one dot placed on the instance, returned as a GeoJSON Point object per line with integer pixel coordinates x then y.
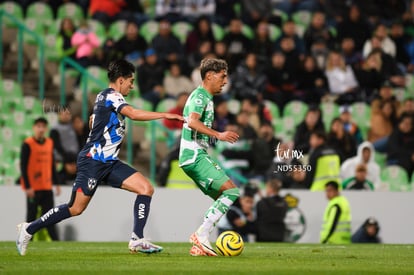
{"type": "Point", "coordinates": [200, 102]}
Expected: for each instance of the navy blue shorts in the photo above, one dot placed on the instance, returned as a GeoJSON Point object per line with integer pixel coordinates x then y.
{"type": "Point", "coordinates": [92, 172]}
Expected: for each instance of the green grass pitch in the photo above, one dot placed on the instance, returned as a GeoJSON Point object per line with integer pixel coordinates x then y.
{"type": "Point", "coordinates": [257, 258]}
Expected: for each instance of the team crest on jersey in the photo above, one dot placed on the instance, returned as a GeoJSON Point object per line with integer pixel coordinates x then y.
{"type": "Point", "coordinates": [92, 183]}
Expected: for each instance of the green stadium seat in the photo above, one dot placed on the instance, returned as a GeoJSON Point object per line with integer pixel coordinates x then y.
{"type": "Point", "coordinates": [233, 105]}
{"type": "Point", "coordinates": [248, 31]}
{"type": "Point", "coordinates": [149, 29]}
{"type": "Point", "coordinates": [41, 12]}
{"type": "Point", "coordinates": [117, 29]}
{"type": "Point", "coordinates": [361, 114]}
{"type": "Point", "coordinates": [283, 15]}
{"type": "Point", "coordinates": [51, 54]}
{"type": "Point", "coordinates": [11, 94]}
{"type": "Point", "coordinates": [296, 110]}
{"type": "Point", "coordinates": [396, 178]}
{"type": "Point", "coordinates": [181, 30]}
{"type": "Point", "coordinates": [72, 10]}
{"type": "Point", "coordinates": [302, 17]}
{"type": "Point", "coordinates": [381, 159]}
{"type": "Point", "coordinates": [37, 27]}
{"type": "Point", "coordinates": [166, 104]}
{"type": "Point", "coordinates": [218, 31]}
{"type": "Point", "coordinates": [285, 128]}
{"type": "Point", "coordinates": [330, 110]}
{"type": "Point", "coordinates": [99, 29]}
{"type": "Point", "coordinates": [97, 84]}
{"type": "Point", "coordinates": [14, 9]}
{"type": "Point", "coordinates": [274, 32]}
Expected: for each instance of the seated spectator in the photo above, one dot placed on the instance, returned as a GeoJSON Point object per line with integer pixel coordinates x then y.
{"type": "Point", "coordinates": [289, 30]}
{"type": "Point", "coordinates": [399, 38]}
{"type": "Point", "coordinates": [324, 162]}
{"type": "Point", "coordinates": [169, 10]}
{"type": "Point", "coordinates": [242, 120]}
{"type": "Point", "coordinates": [240, 217]}
{"type": "Point", "coordinates": [359, 181]}
{"type": "Point", "coordinates": [222, 116]}
{"type": "Point", "coordinates": [339, 139]}
{"type": "Point", "coordinates": [64, 46]}
{"type": "Point", "coordinates": [225, 11]}
{"type": "Point", "coordinates": [271, 212]}
{"type": "Point", "coordinates": [297, 177]}
{"type": "Point", "coordinates": [167, 45]}
{"type": "Point", "coordinates": [193, 9]}
{"type": "Point", "coordinates": [386, 93]}
{"type": "Point", "coordinates": [342, 82]}
{"type": "Point", "coordinates": [177, 109]}
{"type": "Point", "coordinates": [248, 80]}
{"type": "Point", "coordinates": [86, 42]}
{"type": "Point", "coordinates": [407, 107]}
{"type": "Point", "coordinates": [204, 48]}
{"type": "Point", "coordinates": [368, 232]}
{"type": "Point", "coordinates": [312, 122]}
{"type": "Point", "coordinates": [132, 45]}
{"type": "Point", "coordinates": [237, 44]}
{"type": "Point", "coordinates": [258, 112]}
{"type": "Point", "coordinates": [351, 56]}
{"type": "Point", "coordinates": [382, 123]}
{"type": "Point", "coordinates": [312, 81]}
{"type": "Point", "coordinates": [317, 29]}
{"type": "Point", "coordinates": [201, 33]}
{"type": "Point", "coordinates": [400, 146]}
{"type": "Point", "coordinates": [349, 125]}
{"type": "Point", "coordinates": [175, 82]}
{"type": "Point", "coordinates": [262, 46]}
{"type": "Point", "coordinates": [365, 155]}
{"type": "Point", "coordinates": [386, 43]}
{"type": "Point", "coordinates": [150, 78]}
{"type": "Point", "coordinates": [281, 83]}
{"type": "Point", "coordinates": [252, 12]}
{"type": "Point", "coordinates": [81, 130]}
{"type": "Point", "coordinates": [320, 52]}
{"type": "Point", "coordinates": [287, 47]}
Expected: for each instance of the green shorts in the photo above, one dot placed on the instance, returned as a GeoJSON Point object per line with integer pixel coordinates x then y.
{"type": "Point", "coordinates": [207, 174]}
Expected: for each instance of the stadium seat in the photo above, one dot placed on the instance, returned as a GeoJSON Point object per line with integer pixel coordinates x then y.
{"type": "Point", "coordinates": [14, 9]}
{"type": "Point", "coordinates": [274, 32]}
{"type": "Point", "coordinates": [35, 26]}
{"type": "Point", "coordinates": [72, 10]}
{"type": "Point", "coordinates": [166, 104]}
{"type": "Point", "coordinates": [330, 110]}
{"type": "Point", "coordinates": [396, 178]}
{"type": "Point", "coordinates": [302, 17]}
{"type": "Point", "coordinates": [99, 29]}
{"type": "Point", "coordinates": [381, 159]}
{"type": "Point", "coordinates": [361, 114]}
{"type": "Point", "coordinates": [283, 15]}
{"type": "Point", "coordinates": [285, 128]}
{"type": "Point", "coordinates": [52, 118]}
{"type": "Point", "coordinates": [181, 30]}
{"type": "Point", "coordinates": [51, 54]}
{"type": "Point", "coordinates": [117, 29]}
{"type": "Point", "coordinates": [218, 31]}
{"type": "Point", "coordinates": [233, 105]}
{"type": "Point", "coordinates": [296, 110]}
{"type": "Point", "coordinates": [41, 12]}
{"type": "Point", "coordinates": [98, 83]}
{"type": "Point", "coordinates": [149, 29]}
{"type": "Point", "coordinates": [11, 93]}
{"type": "Point", "coordinates": [248, 31]}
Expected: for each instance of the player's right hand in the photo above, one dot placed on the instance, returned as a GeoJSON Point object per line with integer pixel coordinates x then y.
{"type": "Point", "coordinates": [228, 136]}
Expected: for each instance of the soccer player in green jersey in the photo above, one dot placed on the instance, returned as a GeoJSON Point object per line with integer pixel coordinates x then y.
{"type": "Point", "coordinates": [196, 137]}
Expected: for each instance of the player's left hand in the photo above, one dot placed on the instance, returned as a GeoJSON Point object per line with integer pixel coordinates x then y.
{"type": "Point", "coordinates": [174, 117]}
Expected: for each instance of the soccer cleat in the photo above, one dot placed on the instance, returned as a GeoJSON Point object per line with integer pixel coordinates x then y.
{"type": "Point", "coordinates": [203, 244]}
{"type": "Point", "coordinates": [23, 238]}
{"type": "Point", "coordinates": [143, 246]}
{"type": "Point", "coordinates": [196, 251]}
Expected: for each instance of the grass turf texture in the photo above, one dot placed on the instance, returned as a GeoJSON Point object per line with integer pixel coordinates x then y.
{"type": "Point", "coordinates": [258, 258]}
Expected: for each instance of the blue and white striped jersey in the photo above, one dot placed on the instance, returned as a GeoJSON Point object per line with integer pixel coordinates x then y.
{"type": "Point", "coordinates": [108, 127]}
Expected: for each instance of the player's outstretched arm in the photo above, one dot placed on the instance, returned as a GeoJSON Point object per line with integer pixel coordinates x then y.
{"type": "Point", "coordinates": [141, 115]}
{"type": "Point", "coordinates": [195, 124]}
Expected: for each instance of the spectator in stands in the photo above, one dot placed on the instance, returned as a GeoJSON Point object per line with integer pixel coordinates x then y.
{"type": "Point", "coordinates": [359, 181]}
{"type": "Point", "coordinates": [335, 10]}
{"type": "Point", "coordinates": [289, 30]}
{"type": "Point", "coordinates": [400, 146]}
{"type": "Point", "coordinates": [317, 29]}
{"type": "Point", "coordinates": [399, 38]}
{"type": "Point", "coordinates": [202, 32]}
{"type": "Point", "coordinates": [312, 122]}
{"type": "Point", "coordinates": [238, 45]}
{"type": "Point", "coordinates": [407, 107]}
{"type": "Point", "coordinates": [320, 52]}
{"type": "Point", "coordinates": [193, 59]}
{"type": "Point", "coordinates": [324, 162]}
{"type": "Point", "coordinates": [132, 45]}
{"type": "Point", "coordinates": [343, 85]}
{"type": "Point", "coordinates": [39, 173]}
{"type": "Point", "coordinates": [242, 120]}
{"type": "Point", "coordinates": [387, 45]}
{"type": "Point", "coordinates": [297, 177]}
{"type": "Point", "coordinates": [349, 125]}
{"type": "Point", "coordinates": [287, 47]}
{"type": "Point", "coordinates": [64, 46]}
{"type": "Point", "coordinates": [387, 11]}
{"type": "Point", "coordinates": [312, 81]}
{"type": "Point", "coordinates": [257, 110]}
{"type": "Point", "coordinates": [365, 155]}
{"type": "Point", "coordinates": [86, 42]}
{"type": "Point", "coordinates": [222, 116]}
{"type": "Point", "coordinates": [168, 47]}
{"type": "Point", "coordinates": [271, 212]}
{"type": "Point", "coordinates": [351, 56]}
{"type": "Point", "coordinates": [281, 83]}
{"type": "Point", "coordinates": [220, 50]}
{"type": "Point", "coordinates": [175, 82]}
{"type": "Point", "coordinates": [66, 146]}
{"type": "Point", "coordinates": [193, 9]}
{"type": "Point", "coordinates": [354, 26]}
{"type": "Point", "coordinates": [291, 7]}
{"type": "Point", "coordinates": [339, 139]}
{"type": "Point", "coordinates": [150, 78]}
{"type": "Point", "coordinates": [262, 46]}
{"type": "Point", "coordinates": [263, 151]}
{"type": "Point", "coordinates": [105, 54]}
{"type": "Point", "coordinates": [170, 10]}
{"type": "Point", "coordinates": [224, 11]}
{"type": "Point", "coordinates": [177, 109]}
{"type": "Point", "coordinates": [240, 217]}
{"type": "Point", "coordinates": [368, 232]}
{"type": "Point", "coordinates": [252, 12]}
{"type": "Point", "coordinates": [248, 80]}
{"type": "Point", "coordinates": [382, 123]}
{"type": "Point", "coordinates": [81, 130]}
{"type": "Point", "coordinates": [108, 11]}
{"type": "Point", "coordinates": [386, 93]}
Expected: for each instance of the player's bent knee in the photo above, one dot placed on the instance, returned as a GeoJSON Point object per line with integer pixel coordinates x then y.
{"type": "Point", "coordinates": [148, 189]}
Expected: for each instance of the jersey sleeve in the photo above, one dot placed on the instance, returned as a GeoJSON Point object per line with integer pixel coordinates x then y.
{"type": "Point", "coordinates": [197, 104]}
{"type": "Point", "coordinates": [116, 100]}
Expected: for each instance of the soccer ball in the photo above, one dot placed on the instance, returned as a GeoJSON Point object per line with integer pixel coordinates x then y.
{"type": "Point", "coordinates": [229, 243]}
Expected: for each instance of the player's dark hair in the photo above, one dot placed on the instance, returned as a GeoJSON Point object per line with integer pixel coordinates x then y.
{"type": "Point", "coordinates": [40, 120]}
{"type": "Point", "coordinates": [120, 68]}
{"type": "Point", "coordinates": [332, 184]}
{"type": "Point", "coordinates": [212, 64]}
